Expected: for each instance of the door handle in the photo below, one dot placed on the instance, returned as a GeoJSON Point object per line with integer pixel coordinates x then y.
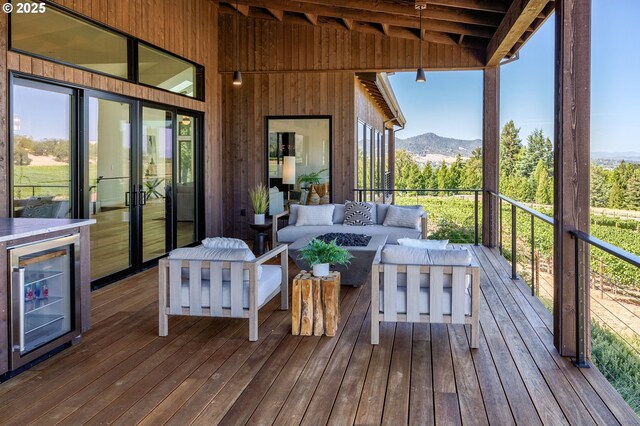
{"type": "Point", "coordinates": [142, 195]}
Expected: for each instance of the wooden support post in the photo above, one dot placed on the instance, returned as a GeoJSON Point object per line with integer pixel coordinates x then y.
{"type": "Point", "coordinates": [571, 170]}
{"type": "Point", "coordinates": [490, 156]}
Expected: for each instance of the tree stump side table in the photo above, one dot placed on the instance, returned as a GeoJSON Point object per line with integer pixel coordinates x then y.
{"type": "Point", "coordinates": [315, 304]}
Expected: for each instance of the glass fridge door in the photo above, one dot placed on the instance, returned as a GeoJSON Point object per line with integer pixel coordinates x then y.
{"type": "Point", "coordinates": [43, 293]}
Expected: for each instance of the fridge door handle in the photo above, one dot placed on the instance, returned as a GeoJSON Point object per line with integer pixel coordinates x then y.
{"type": "Point", "coordinates": [18, 277]}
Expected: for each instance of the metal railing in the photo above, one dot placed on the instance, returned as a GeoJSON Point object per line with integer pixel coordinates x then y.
{"type": "Point", "coordinates": [368, 194]}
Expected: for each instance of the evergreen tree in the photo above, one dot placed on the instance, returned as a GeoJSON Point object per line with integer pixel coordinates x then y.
{"type": "Point", "coordinates": [539, 148]}
{"type": "Point", "coordinates": [472, 176]}
{"type": "Point", "coordinates": [429, 176]}
{"type": "Point", "coordinates": [618, 181]}
{"type": "Point", "coordinates": [633, 190]}
{"type": "Point", "coordinates": [543, 184]}
{"type": "Point", "coordinates": [600, 186]}
{"type": "Point", "coordinates": [510, 148]}
{"type": "Point", "coordinates": [441, 176]}
{"type": "Point", "coordinates": [454, 174]}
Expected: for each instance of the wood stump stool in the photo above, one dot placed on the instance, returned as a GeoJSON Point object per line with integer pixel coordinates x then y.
{"type": "Point", "coordinates": [315, 305]}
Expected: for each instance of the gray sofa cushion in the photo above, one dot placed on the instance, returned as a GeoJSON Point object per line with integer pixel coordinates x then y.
{"type": "Point", "coordinates": [291, 233]}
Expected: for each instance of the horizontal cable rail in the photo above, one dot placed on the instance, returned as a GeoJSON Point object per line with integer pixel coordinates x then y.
{"type": "Point", "coordinates": [537, 214]}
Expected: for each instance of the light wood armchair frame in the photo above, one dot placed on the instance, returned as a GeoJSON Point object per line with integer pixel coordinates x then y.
{"type": "Point", "coordinates": [436, 279]}
{"type": "Point", "coordinates": [170, 288]}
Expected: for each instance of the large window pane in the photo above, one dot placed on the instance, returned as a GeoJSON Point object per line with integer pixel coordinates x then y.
{"type": "Point", "coordinates": [166, 72]}
{"type": "Point", "coordinates": [308, 140]}
{"type": "Point", "coordinates": [185, 186]}
{"type": "Point", "coordinates": [109, 185]}
{"type": "Point", "coordinates": [61, 37]}
{"type": "Point", "coordinates": [41, 151]}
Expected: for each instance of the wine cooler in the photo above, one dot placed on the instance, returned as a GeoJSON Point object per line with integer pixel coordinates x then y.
{"type": "Point", "coordinates": [44, 307]}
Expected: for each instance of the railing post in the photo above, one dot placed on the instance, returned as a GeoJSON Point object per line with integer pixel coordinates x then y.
{"type": "Point", "coordinates": [514, 265]}
{"type": "Point", "coordinates": [476, 217]}
{"type": "Point", "coordinates": [501, 245]}
{"type": "Point", "coordinates": [533, 246]}
{"type": "Point", "coordinates": [580, 361]}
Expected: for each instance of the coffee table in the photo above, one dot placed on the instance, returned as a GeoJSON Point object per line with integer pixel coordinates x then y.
{"type": "Point", "coordinates": [357, 272]}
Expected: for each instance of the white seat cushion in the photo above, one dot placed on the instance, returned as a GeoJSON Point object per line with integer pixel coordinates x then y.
{"type": "Point", "coordinates": [423, 300]}
{"type": "Point", "coordinates": [270, 281]}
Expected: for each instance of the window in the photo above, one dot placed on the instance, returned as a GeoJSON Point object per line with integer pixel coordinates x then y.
{"type": "Point", "coordinates": [42, 133]}
{"type": "Point", "coordinates": [307, 142]}
{"type": "Point", "coordinates": [166, 72]}
{"type": "Point", "coordinates": [64, 38]}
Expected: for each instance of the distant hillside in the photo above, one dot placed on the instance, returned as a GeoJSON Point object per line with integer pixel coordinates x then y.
{"type": "Point", "coordinates": [434, 148]}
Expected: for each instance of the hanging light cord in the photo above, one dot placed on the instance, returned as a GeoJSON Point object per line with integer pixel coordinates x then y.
{"type": "Point", "coordinates": [237, 38]}
{"type": "Point", "coordinates": [420, 37]}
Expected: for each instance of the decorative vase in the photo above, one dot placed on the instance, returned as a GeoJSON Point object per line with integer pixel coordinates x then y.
{"type": "Point", "coordinates": [258, 219]}
{"type": "Point", "coordinates": [321, 270]}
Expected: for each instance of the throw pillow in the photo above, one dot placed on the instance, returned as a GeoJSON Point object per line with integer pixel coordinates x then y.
{"type": "Point", "coordinates": [359, 213]}
{"type": "Point", "coordinates": [427, 244]}
{"type": "Point", "coordinates": [222, 242]}
{"type": "Point", "coordinates": [315, 215]}
{"type": "Point", "coordinates": [403, 218]}
{"type": "Point", "coordinates": [381, 210]}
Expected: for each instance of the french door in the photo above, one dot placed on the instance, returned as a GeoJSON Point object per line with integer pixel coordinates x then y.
{"type": "Point", "coordinates": [132, 166]}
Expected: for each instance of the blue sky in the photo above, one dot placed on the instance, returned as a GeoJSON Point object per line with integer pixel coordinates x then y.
{"type": "Point", "coordinates": [450, 103]}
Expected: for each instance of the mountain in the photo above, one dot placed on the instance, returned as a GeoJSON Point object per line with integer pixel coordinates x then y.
{"type": "Point", "coordinates": [435, 148]}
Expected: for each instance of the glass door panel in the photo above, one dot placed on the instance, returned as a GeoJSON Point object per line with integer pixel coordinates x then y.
{"type": "Point", "coordinates": [109, 171]}
{"type": "Point", "coordinates": [185, 186]}
{"type": "Point", "coordinates": [42, 129]}
{"type": "Point", "coordinates": [156, 189]}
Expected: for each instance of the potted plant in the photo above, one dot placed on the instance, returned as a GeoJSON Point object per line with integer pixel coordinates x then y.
{"type": "Point", "coordinates": [309, 179]}
{"type": "Point", "coordinates": [319, 255]}
{"type": "Point", "coordinates": [259, 196]}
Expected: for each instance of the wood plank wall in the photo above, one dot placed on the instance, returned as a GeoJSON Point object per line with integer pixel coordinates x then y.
{"type": "Point", "coordinates": [367, 109]}
{"type": "Point", "coordinates": [244, 110]}
{"type": "Point", "coordinates": [187, 28]}
{"type": "Point", "coordinates": [267, 45]}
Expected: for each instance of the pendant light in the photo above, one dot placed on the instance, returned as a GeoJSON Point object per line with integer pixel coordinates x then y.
{"type": "Point", "coordinates": [237, 76]}
{"type": "Point", "coordinates": [420, 77]}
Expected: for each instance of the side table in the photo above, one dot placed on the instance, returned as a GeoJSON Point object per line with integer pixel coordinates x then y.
{"type": "Point", "coordinates": [315, 304]}
{"type": "Point", "coordinates": [262, 234]}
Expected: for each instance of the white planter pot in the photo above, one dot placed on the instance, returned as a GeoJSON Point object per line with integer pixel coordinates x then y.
{"type": "Point", "coordinates": [321, 270]}
{"type": "Point", "coordinates": [258, 219]}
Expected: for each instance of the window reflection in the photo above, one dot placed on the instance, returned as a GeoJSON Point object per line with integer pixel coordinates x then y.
{"type": "Point", "coordinates": [41, 152]}
{"type": "Point", "coordinates": [306, 143]}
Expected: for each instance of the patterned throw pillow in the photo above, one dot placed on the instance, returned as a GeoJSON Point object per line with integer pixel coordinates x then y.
{"type": "Point", "coordinates": [358, 213]}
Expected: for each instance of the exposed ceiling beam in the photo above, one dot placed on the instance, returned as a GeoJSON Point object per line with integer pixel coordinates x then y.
{"type": "Point", "coordinates": [242, 8]}
{"type": "Point", "coordinates": [348, 23]}
{"type": "Point", "coordinates": [278, 14]}
{"type": "Point", "coordinates": [373, 17]}
{"type": "Point", "coordinates": [519, 17]}
{"type": "Point", "coordinates": [483, 5]}
{"type": "Point", "coordinates": [313, 18]}
{"type": "Point", "coordinates": [409, 9]}
{"type": "Point", "coordinates": [385, 29]}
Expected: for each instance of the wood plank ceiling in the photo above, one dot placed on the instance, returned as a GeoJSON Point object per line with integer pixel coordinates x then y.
{"type": "Point", "coordinates": [499, 27]}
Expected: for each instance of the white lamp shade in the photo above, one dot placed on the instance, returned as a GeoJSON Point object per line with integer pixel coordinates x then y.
{"type": "Point", "coordinates": [289, 170]}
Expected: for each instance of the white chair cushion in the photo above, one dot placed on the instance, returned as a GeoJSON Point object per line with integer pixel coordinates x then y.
{"type": "Point", "coordinates": [315, 215]}
{"type": "Point", "coordinates": [220, 254]}
{"type": "Point", "coordinates": [267, 285]}
{"type": "Point", "coordinates": [401, 255]}
{"type": "Point", "coordinates": [223, 242]}
{"type": "Point", "coordinates": [423, 300]}
{"type": "Point", "coordinates": [426, 244]}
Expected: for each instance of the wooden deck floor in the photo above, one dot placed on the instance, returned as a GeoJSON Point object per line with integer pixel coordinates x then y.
{"type": "Point", "coordinates": [207, 372]}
